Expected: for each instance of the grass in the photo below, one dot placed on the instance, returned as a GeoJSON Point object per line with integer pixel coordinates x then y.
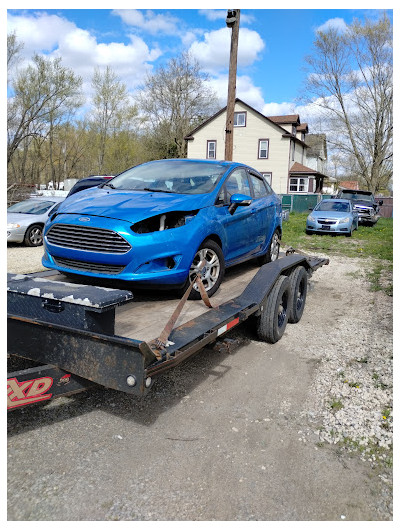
{"type": "Point", "coordinates": [375, 244]}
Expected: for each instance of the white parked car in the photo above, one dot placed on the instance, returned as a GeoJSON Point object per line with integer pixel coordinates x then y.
{"type": "Point", "coordinates": [26, 219]}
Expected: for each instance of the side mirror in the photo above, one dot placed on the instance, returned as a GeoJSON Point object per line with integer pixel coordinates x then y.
{"type": "Point", "coordinates": [238, 200]}
{"type": "Point", "coordinates": [311, 209]}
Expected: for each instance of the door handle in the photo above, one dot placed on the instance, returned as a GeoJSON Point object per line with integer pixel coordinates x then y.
{"type": "Point", "coordinates": [253, 210]}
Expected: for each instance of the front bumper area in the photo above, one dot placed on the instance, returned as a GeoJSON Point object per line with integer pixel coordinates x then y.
{"type": "Point", "coordinates": [328, 226]}
{"type": "Point", "coordinates": [162, 257]}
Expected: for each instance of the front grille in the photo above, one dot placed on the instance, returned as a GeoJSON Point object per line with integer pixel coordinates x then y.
{"type": "Point", "coordinates": [324, 221]}
{"type": "Point", "coordinates": [78, 265]}
{"type": "Point", "coordinates": [87, 238]}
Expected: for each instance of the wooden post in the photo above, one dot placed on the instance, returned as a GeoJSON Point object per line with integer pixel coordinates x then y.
{"type": "Point", "coordinates": [230, 108]}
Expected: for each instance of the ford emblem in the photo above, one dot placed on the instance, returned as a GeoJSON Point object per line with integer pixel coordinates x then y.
{"type": "Point", "coordinates": [84, 219]}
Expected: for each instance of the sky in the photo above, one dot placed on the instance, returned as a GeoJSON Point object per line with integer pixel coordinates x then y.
{"type": "Point", "coordinates": [134, 42]}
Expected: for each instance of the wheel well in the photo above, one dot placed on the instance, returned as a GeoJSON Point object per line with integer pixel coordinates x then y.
{"type": "Point", "coordinates": [215, 238]}
{"type": "Point", "coordinates": [33, 224]}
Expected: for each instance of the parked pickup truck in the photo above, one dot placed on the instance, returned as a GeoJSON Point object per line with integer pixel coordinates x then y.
{"type": "Point", "coordinates": [364, 204]}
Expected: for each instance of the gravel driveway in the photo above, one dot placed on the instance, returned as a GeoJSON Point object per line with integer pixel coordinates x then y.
{"type": "Point", "coordinates": [299, 430]}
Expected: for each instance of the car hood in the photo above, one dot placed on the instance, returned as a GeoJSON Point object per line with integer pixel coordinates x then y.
{"type": "Point", "coordinates": [129, 205]}
{"type": "Point", "coordinates": [363, 203]}
{"type": "Point", "coordinates": [330, 214]}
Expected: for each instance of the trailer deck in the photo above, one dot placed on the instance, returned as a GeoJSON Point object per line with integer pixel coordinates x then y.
{"type": "Point", "coordinates": [98, 335]}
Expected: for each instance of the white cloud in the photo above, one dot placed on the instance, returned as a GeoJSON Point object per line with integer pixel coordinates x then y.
{"type": "Point", "coordinates": [149, 21]}
{"type": "Point", "coordinates": [333, 23]}
{"type": "Point", "coordinates": [220, 14]}
{"type": "Point", "coordinates": [80, 50]}
{"type": "Point", "coordinates": [212, 53]}
{"type": "Point", "coordinates": [245, 90]}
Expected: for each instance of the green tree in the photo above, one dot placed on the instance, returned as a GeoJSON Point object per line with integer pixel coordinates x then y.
{"type": "Point", "coordinates": [351, 82]}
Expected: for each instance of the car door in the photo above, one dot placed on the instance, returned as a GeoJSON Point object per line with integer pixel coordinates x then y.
{"type": "Point", "coordinates": [263, 210]}
{"type": "Point", "coordinates": [239, 231]}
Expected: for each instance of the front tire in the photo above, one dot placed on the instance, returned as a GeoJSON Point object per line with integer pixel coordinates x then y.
{"type": "Point", "coordinates": [213, 271]}
{"type": "Point", "coordinates": [34, 236]}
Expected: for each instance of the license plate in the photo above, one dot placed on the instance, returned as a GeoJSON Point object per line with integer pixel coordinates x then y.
{"type": "Point", "coordinates": [326, 227]}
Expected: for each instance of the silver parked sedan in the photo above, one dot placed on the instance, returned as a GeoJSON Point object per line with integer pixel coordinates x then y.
{"type": "Point", "coordinates": [334, 216]}
{"type": "Point", "coordinates": [26, 219]}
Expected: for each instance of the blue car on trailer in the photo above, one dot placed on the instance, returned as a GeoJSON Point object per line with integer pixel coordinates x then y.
{"type": "Point", "coordinates": [157, 223]}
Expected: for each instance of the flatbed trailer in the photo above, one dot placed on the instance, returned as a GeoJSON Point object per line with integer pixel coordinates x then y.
{"type": "Point", "coordinates": [74, 336]}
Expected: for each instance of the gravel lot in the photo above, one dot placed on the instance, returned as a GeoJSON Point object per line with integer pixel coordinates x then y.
{"type": "Point", "coordinates": [300, 430]}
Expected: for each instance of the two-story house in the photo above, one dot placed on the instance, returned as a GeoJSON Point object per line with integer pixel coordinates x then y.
{"type": "Point", "coordinates": [276, 146]}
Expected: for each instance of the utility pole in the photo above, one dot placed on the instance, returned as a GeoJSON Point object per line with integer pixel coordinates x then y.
{"type": "Point", "coordinates": [232, 21]}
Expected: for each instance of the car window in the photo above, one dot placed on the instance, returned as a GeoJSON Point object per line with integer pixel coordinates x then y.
{"type": "Point", "coordinates": [171, 176]}
{"type": "Point", "coordinates": [237, 183]}
{"type": "Point", "coordinates": [259, 188]}
{"type": "Point", "coordinates": [333, 206]}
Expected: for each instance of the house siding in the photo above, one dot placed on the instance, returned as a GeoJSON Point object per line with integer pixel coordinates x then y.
{"type": "Point", "coordinates": [245, 145]}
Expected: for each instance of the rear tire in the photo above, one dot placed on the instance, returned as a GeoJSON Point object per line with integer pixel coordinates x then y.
{"type": "Point", "coordinates": [298, 279]}
{"type": "Point", "coordinates": [272, 253]}
{"type": "Point", "coordinates": [272, 321]}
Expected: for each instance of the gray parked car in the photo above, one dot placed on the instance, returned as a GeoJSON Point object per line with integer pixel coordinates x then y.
{"type": "Point", "coordinates": [26, 219]}
{"type": "Point", "coordinates": [333, 216]}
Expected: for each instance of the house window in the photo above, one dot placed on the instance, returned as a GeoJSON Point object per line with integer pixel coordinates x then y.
{"type": "Point", "coordinates": [263, 148]}
{"type": "Point", "coordinates": [239, 119]}
{"type": "Point", "coordinates": [294, 130]}
{"type": "Point", "coordinates": [211, 149]}
{"type": "Point", "coordinates": [267, 176]}
{"type": "Point", "coordinates": [298, 184]}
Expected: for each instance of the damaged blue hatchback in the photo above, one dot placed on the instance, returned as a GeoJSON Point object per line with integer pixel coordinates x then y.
{"type": "Point", "coordinates": [156, 223]}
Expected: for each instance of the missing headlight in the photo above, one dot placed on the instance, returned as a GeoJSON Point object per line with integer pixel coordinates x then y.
{"type": "Point", "coordinates": [169, 220]}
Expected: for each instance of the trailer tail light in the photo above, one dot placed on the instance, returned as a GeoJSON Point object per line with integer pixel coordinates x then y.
{"type": "Point", "coordinates": [228, 326]}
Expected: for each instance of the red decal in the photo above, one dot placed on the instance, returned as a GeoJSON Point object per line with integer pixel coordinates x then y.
{"type": "Point", "coordinates": [232, 323]}
{"type": "Point", "coordinates": [28, 392]}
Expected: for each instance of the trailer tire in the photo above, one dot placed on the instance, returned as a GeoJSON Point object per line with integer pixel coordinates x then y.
{"type": "Point", "coordinates": [272, 321]}
{"type": "Point", "coordinates": [298, 279]}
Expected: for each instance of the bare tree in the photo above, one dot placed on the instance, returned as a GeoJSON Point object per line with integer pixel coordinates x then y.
{"type": "Point", "coordinates": [351, 81]}
{"type": "Point", "coordinates": [111, 109]}
{"type": "Point", "coordinates": [41, 91]}
{"type": "Point", "coordinates": [173, 101]}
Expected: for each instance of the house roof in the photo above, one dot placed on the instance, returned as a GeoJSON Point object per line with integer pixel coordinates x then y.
{"type": "Point", "coordinates": [237, 100]}
{"type": "Point", "coordinates": [300, 169]}
{"type": "Point", "coordinates": [303, 127]}
{"type": "Point", "coordinates": [287, 119]}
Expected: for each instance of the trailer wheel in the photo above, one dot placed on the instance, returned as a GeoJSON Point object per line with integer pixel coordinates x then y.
{"type": "Point", "coordinates": [298, 279]}
{"type": "Point", "coordinates": [272, 321]}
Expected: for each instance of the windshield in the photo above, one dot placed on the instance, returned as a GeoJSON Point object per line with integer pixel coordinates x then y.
{"type": "Point", "coordinates": [358, 196]}
{"type": "Point", "coordinates": [333, 206]}
{"type": "Point", "coordinates": [170, 176]}
{"type": "Point", "coordinates": [31, 206]}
